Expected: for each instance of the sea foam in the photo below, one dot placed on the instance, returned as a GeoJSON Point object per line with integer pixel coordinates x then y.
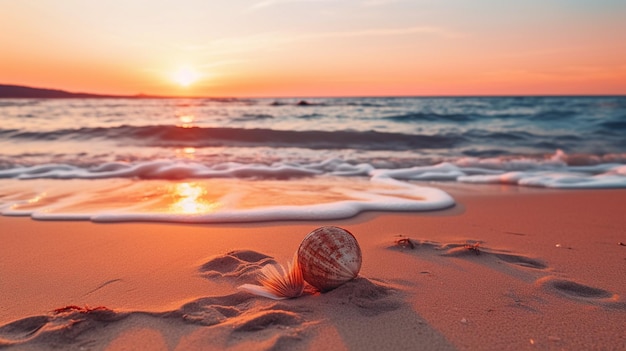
{"type": "Point", "coordinates": [176, 191]}
{"type": "Point", "coordinates": [214, 200]}
{"type": "Point", "coordinates": [550, 172]}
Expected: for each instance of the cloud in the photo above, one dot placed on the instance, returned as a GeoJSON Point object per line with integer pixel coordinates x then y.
{"type": "Point", "coordinates": [234, 50]}
{"type": "Point", "coordinates": [274, 40]}
{"type": "Point", "coordinates": [213, 64]}
{"type": "Point", "coordinates": [267, 3]}
{"type": "Point", "coordinates": [269, 39]}
{"type": "Point", "coordinates": [378, 32]}
{"type": "Point", "coordinates": [380, 2]}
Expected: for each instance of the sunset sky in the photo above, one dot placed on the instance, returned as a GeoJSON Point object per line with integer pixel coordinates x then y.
{"type": "Point", "coordinates": [315, 47]}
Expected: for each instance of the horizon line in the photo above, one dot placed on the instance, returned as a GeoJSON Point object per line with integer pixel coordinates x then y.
{"type": "Point", "coordinates": [141, 95]}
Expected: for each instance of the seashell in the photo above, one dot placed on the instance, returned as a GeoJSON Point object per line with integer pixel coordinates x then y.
{"type": "Point", "coordinates": [277, 282]}
{"type": "Point", "coordinates": [329, 257]}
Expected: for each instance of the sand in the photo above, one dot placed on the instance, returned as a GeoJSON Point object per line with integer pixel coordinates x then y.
{"type": "Point", "coordinates": [506, 269]}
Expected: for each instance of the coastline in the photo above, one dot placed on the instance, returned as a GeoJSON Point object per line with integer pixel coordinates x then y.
{"type": "Point", "coordinates": [549, 275]}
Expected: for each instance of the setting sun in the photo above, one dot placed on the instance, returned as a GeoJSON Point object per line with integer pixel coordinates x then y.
{"type": "Point", "coordinates": [358, 48]}
{"type": "Point", "coordinates": [185, 76]}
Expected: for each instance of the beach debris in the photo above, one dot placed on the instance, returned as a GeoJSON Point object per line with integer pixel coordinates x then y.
{"type": "Point", "coordinates": [74, 308]}
{"type": "Point", "coordinates": [473, 247]}
{"type": "Point", "coordinates": [277, 282]}
{"type": "Point", "coordinates": [405, 243]}
{"type": "Point", "coordinates": [327, 258]}
{"type": "Point", "coordinates": [515, 233]}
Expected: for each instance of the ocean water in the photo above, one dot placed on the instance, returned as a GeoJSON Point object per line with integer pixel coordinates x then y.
{"type": "Point", "coordinates": [232, 160]}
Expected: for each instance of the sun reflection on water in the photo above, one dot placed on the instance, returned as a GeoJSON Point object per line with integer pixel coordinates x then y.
{"type": "Point", "coordinates": [189, 199]}
{"type": "Point", "coordinates": [186, 152]}
{"type": "Point", "coordinates": [186, 121]}
{"type": "Point", "coordinates": [37, 198]}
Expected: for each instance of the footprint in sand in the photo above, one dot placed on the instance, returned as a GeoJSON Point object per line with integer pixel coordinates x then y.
{"type": "Point", "coordinates": [240, 265]}
{"type": "Point", "coordinates": [210, 311]}
{"type": "Point", "coordinates": [461, 250]}
{"type": "Point", "coordinates": [522, 261]}
{"type": "Point", "coordinates": [551, 284]}
{"type": "Point", "coordinates": [580, 292]}
{"type": "Point", "coordinates": [222, 319]}
{"type": "Point", "coordinates": [225, 320]}
{"type": "Point", "coordinates": [469, 250]}
{"type": "Point", "coordinates": [271, 318]}
{"type": "Point", "coordinates": [22, 329]}
{"type": "Point", "coordinates": [369, 297]}
{"type": "Point", "coordinates": [62, 326]}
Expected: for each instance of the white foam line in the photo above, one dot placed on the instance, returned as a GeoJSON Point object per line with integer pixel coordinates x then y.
{"type": "Point", "coordinates": [337, 210]}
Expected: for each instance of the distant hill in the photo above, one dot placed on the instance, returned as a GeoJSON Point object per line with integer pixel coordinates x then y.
{"type": "Point", "coordinates": [18, 91]}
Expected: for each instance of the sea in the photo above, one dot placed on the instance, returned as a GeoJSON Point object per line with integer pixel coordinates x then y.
{"type": "Point", "coordinates": [212, 160]}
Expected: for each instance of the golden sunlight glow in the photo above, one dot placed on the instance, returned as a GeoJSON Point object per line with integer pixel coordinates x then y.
{"type": "Point", "coordinates": [37, 198]}
{"type": "Point", "coordinates": [186, 120]}
{"type": "Point", "coordinates": [196, 51]}
{"type": "Point", "coordinates": [189, 199]}
{"type": "Point", "coordinates": [185, 76]}
{"type": "Point", "coordinates": [186, 152]}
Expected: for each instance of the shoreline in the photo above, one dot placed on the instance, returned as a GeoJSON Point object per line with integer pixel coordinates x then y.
{"type": "Point", "coordinates": [549, 275]}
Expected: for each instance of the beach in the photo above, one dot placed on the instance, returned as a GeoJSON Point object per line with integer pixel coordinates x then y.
{"type": "Point", "coordinates": [506, 268]}
{"type": "Point", "coordinates": [312, 175]}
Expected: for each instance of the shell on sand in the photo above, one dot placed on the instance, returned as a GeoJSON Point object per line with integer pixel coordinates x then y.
{"type": "Point", "coordinates": [329, 257]}
{"type": "Point", "coordinates": [277, 282]}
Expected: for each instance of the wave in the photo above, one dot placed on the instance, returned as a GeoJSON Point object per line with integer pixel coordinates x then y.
{"type": "Point", "coordinates": [148, 193]}
{"type": "Point", "coordinates": [553, 115]}
{"type": "Point", "coordinates": [310, 116]}
{"type": "Point", "coordinates": [252, 117]}
{"type": "Point", "coordinates": [471, 142]}
{"type": "Point", "coordinates": [538, 116]}
{"type": "Point", "coordinates": [18, 102]}
{"type": "Point", "coordinates": [501, 135]}
{"type": "Point", "coordinates": [167, 135]}
{"type": "Point", "coordinates": [365, 104]}
{"type": "Point", "coordinates": [430, 117]}
{"type": "Point", "coordinates": [542, 116]}
{"type": "Point", "coordinates": [554, 172]}
{"type": "Point", "coordinates": [300, 103]}
{"type": "Point", "coordinates": [615, 125]}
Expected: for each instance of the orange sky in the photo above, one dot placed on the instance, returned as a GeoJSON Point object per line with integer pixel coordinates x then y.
{"type": "Point", "coordinates": [316, 47]}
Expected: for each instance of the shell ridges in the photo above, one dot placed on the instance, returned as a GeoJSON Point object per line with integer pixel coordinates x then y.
{"type": "Point", "coordinates": [329, 257]}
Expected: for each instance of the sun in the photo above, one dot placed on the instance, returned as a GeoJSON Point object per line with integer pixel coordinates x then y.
{"type": "Point", "coordinates": [185, 76]}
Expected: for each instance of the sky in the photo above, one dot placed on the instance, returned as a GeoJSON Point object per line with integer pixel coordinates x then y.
{"type": "Point", "coordinates": [309, 48]}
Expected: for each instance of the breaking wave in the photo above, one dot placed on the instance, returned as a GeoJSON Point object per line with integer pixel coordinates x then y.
{"type": "Point", "coordinates": [551, 173]}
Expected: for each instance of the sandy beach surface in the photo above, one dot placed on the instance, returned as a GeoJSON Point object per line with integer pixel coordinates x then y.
{"type": "Point", "coordinates": [507, 268]}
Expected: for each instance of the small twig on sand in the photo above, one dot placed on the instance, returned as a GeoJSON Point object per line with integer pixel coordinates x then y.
{"type": "Point", "coordinates": [405, 243]}
{"type": "Point", "coordinates": [85, 309]}
{"type": "Point", "coordinates": [473, 247]}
